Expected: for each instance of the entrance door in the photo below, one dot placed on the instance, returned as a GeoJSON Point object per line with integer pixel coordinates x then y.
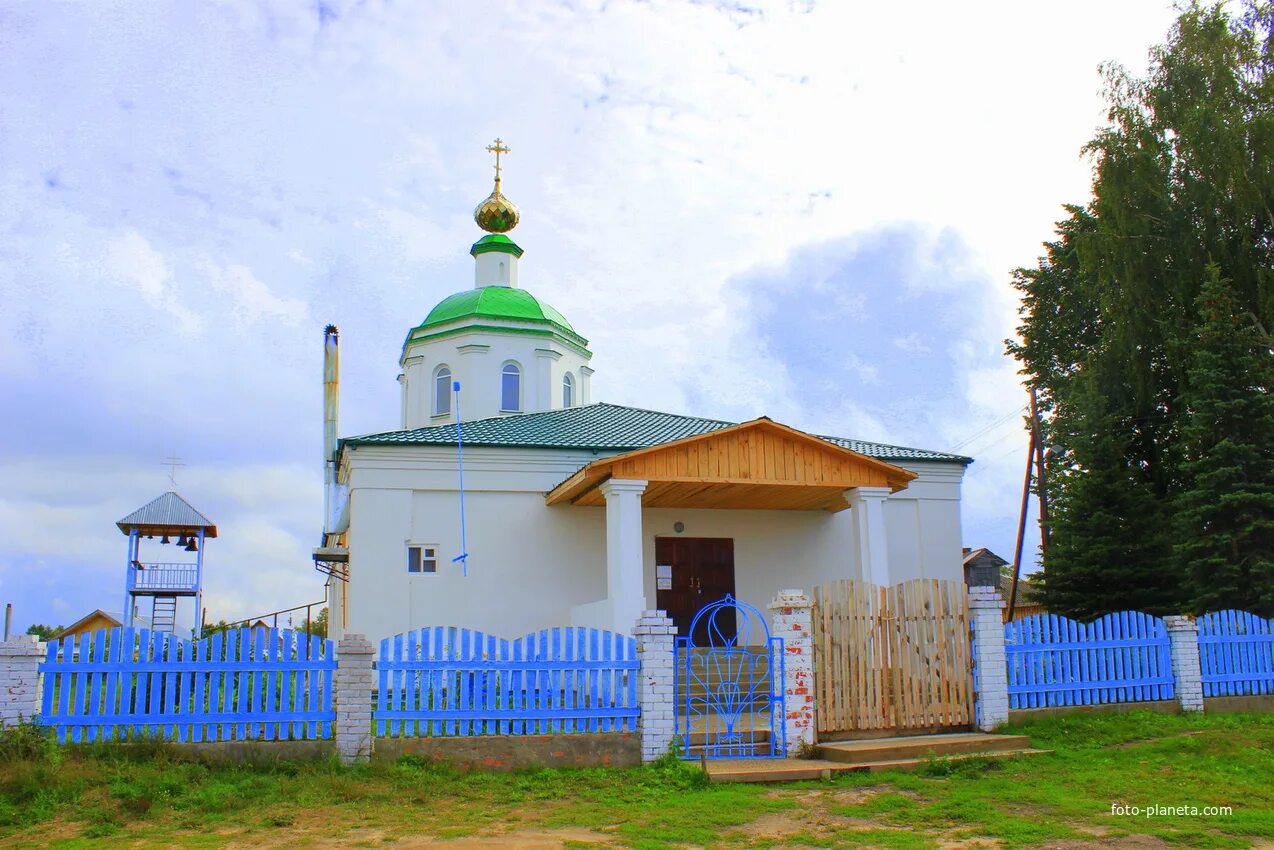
{"type": "Point", "coordinates": [702, 573]}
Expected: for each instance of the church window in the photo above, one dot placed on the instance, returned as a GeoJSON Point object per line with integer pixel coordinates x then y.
{"type": "Point", "coordinates": [511, 387]}
{"type": "Point", "coordinates": [442, 391]}
{"type": "Point", "coordinates": [568, 390]}
{"type": "Point", "coordinates": [422, 559]}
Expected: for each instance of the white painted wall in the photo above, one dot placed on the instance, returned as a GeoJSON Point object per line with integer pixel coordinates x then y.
{"type": "Point", "coordinates": [530, 564]}
{"type": "Point", "coordinates": [476, 359]}
{"type": "Point", "coordinates": [495, 268]}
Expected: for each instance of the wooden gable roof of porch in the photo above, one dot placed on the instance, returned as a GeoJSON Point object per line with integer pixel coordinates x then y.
{"type": "Point", "coordinates": [759, 465]}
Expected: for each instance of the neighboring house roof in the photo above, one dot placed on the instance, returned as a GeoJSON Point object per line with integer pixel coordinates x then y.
{"type": "Point", "coordinates": [168, 512]}
{"type": "Point", "coordinates": [983, 555]}
{"type": "Point", "coordinates": [606, 427]}
{"type": "Point", "coordinates": [113, 617]}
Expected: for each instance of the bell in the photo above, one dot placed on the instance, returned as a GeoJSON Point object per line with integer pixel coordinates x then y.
{"type": "Point", "coordinates": [165, 540]}
{"type": "Point", "coordinates": [181, 541]}
{"type": "Point", "coordinates": [192, 545]}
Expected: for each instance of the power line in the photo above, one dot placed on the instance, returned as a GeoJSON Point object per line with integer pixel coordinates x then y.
{"type": "Point", "coordinates": [997, 423]}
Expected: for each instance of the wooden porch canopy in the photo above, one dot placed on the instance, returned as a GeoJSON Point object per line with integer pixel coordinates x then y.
{"type": "Point", "coordinates": [755, 465]}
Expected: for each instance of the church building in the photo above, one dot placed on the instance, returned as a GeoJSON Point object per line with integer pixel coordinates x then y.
{"type": "Point", "coordinates": [575, 512]}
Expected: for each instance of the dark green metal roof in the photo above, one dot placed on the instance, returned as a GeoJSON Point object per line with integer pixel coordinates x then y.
{"type": "Point", "coordinates": [604, 427]}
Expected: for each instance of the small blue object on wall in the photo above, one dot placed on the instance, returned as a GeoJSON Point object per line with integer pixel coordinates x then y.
{"type": "Point", "coordinates": [463, 557]}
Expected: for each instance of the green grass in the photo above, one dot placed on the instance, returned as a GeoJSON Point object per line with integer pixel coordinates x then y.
{"type": "Point", "coordinates": [145, 797]}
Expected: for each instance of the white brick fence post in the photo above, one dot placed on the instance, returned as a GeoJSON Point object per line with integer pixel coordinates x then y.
{"type": "Point", "coordinates": [656, 695]}
{"type": "Point", "coordinates": [793, 622]}
{"type": "Point", "coordinates": [20, 684]}
{"type": "Point", "coordinates": [990, 663]}
{"type": "Point", "coordinates": [353, 698]}
{"type": "Point", "coordinates": [1184, 633]}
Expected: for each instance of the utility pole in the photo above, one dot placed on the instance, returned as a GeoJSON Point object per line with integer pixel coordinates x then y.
{"type": "Point", "coordinates": [1040, 489]}
{"type": "Point", "coordinates": [1035, 465]}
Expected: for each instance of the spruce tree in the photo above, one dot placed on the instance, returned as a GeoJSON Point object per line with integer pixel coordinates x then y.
{"type": "Point", "coordinates": [1225, 513]}
{"type": "Point", "coordinates": [1183, 181]}
{"type": "Point", "coordinates": [1108, 551]}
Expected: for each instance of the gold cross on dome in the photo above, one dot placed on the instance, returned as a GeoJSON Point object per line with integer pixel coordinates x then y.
{"type": "Point", "coordinates": [497, 149]}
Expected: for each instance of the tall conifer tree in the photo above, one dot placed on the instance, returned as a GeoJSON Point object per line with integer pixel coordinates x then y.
{"type": "Point", "coordinates": [1183, 183]}
{"type": "Point", "coordinates": [1225, 513]}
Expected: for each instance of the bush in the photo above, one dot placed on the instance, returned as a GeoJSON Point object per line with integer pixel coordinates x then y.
{"type": "Point", "coordinates": [29, 742]}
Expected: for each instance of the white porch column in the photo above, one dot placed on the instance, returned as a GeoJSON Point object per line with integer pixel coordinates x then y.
{"type": "Point", "coordinates": [625, 590]}
{"type": "Point", "coordinates": [868, 506]}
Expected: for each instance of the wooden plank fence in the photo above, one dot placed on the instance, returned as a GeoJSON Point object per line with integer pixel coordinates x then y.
{"type": "Point", "coordinates": [1056, 661]}
{"type": "Point", "coordinates": [894, 657]}
{"type": "Point", "coordinates": [1236, 654]}
{"type": "Point", "coordinates": [243, 684]}
{"type": "Point", "coordinates": [448, 681]}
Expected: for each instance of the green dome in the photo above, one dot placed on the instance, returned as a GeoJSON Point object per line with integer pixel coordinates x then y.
{"type": "Point", "coordinates": [495, 302]}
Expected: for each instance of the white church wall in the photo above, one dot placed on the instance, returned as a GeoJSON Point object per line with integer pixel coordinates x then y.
{"type": "Point", "coordinates": [476, 360]}
{"type": "Point", "coordinates": [530, 564]}
{"type": "Point", "coordinates": [773, 550]}
{"type": "Point", "coordinates": [923, 525]}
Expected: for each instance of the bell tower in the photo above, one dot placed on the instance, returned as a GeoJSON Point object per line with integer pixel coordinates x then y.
{"type": "Point", "coordinates": [165, 579]}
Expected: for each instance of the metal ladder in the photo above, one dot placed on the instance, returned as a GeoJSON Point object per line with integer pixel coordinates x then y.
{"type": "Point", "coordinates": [163, 617]}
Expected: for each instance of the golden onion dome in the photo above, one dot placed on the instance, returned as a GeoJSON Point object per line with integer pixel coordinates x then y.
{"type": "Point", "coordinates": [497, 214]}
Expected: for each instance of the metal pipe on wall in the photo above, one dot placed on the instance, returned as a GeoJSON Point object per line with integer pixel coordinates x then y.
{"type": "Point", "coordinates": [331, 398]}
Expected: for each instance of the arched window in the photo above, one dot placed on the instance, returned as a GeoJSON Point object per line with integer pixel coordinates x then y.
{"type": "Point", "coordinates": [511, 387]}
{"type": "Point", "coordinates": [442, 391]}
{"type": "Point", "coordinates": [568, 390]}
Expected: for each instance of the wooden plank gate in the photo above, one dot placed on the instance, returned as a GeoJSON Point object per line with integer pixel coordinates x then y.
{"type": "Point", "coordinates": [892, 658]}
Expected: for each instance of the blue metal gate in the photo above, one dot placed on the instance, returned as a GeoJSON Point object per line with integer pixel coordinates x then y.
{"type": "Point", "coordinates": [730, 688]}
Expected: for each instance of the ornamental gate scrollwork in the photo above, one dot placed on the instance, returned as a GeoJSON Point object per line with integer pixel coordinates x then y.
{"type": "Point", "coordinates": [730, 684]}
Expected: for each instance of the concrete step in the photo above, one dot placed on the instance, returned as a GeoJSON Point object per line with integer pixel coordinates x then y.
{"type": "Point", "coordinates": [754, 749]}
{"type": "Point", "coordinates": [794, 770]}
{"type": "Point", "coordinates": [699, 739]}
{"type": "Point", "coordinates": [919, 747]}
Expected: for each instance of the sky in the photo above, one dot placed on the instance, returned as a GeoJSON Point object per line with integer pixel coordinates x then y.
{"type": "Point", "coordinates": [805, 210]}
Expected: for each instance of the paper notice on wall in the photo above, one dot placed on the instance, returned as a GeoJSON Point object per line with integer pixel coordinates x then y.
{"type": "Point", "coordinates": [663, 576]}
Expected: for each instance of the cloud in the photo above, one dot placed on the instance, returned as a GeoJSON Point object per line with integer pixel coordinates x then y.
{"type": "Point", "coordinates": [747, 211]}
{"type": "Point", "coordinates": [249, 299]}
{"type": "Point", "coordinates": [132, 261]}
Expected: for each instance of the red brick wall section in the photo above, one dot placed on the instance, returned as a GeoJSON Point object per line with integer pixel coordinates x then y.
{"type": "Point", "coordinates": [792, 622]}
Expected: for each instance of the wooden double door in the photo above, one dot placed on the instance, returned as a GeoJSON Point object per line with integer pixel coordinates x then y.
{"type": "Point", "coordinates": [692, 572]}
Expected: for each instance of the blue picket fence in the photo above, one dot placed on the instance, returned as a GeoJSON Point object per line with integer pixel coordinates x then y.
{"type": "Point", "coordinates": [244, 684]}
{"type": "Point", "coordinates": [1236, 654]}
{"type": "Point", "coordinates": [1055, 661]}
{"type": "Point", "coordinates": [447, 681]}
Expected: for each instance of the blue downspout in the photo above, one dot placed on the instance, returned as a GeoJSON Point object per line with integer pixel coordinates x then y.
{"type": "Point", "coordinates": [463, 557]}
